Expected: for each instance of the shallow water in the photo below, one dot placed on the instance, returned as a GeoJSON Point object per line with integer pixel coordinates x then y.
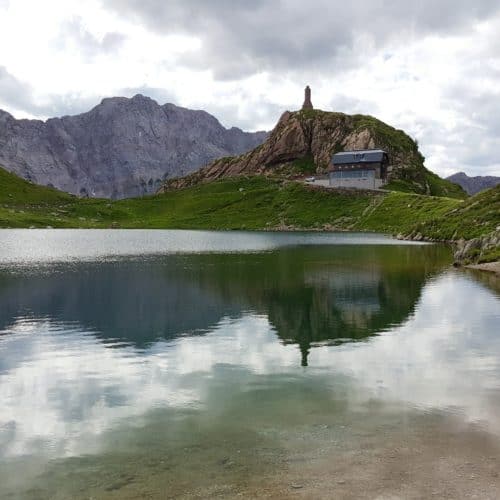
{"type": "Point", "coordinates": [187, 364]}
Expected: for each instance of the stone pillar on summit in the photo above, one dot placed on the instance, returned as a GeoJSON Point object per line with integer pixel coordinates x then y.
{"type": "Point", "coordinates": [307, 99]}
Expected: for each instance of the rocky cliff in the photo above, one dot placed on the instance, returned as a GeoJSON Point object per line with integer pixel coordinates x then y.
{"type": "Point", "coordinates": [121, 148]}
{"type": "Point", "coordinates": [476, 184]}
{"type": "Point", "coordinates": [304, 141]}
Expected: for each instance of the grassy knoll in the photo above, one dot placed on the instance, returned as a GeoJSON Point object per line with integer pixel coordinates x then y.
{"type": "Point", "coordinates": [254, 203]}
{"type": "Point", "coordinates": [435, 185]}
{"type": "Point", "coordinates": [474, 217]}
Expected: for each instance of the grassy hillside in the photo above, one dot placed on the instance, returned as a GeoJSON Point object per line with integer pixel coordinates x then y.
{"type": "Point", "coordinates": [474, 217]}
{"type": "Point", "coordinates": [434, 185]}
{"type": "Point", "coordinates": [256, 203]}
{"type": "Point", "coordinates": [15, 191]}
{"type": "Point", "coordinates": [233, 203]}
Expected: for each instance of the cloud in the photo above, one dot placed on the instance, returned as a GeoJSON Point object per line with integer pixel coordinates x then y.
{"type": "Point", "coordinates": [13, 92]}
{"type": "Point", "coordinates": [20, 96]}
{"type": "Point", "coordinates": [241, 38]}
{"type": "Point", "coordinates": [74, 35]}
{"type": "Point", "coordinates": [429, 68]}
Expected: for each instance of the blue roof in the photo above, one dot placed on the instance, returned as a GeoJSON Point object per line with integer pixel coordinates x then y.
{"type": "Point", "coordinates": [359, 156]}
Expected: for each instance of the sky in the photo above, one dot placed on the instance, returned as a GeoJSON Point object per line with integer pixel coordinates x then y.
{"type": "Point", "coordinates": [429, 67]}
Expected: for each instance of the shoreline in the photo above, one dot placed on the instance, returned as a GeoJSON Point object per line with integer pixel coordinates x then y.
{"type": "Point", "coordinates": [489, 267]}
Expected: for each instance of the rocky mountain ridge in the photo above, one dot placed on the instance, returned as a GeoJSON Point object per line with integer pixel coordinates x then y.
{"type": "Point", "coordinates": [121, 148]}
{"type": "Point", "coordinates": [303, 142]}
{"type": "Point", "coordinates": [475, 184]}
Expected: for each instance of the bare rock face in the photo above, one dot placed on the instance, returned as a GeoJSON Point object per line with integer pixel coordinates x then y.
{"type": "Point", "coordinates": [121, 148]}
{"type": "Point", "coordinates": [317, 135]}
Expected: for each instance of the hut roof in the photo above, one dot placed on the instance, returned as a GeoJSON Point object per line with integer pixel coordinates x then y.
{"type": "Point", "coordinates": [359, 156]}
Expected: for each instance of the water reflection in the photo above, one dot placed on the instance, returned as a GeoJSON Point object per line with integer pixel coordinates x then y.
{"type": "Point", "coordinates": [159, 354]}
{"type": "Point", "coordinates": [310, 295]}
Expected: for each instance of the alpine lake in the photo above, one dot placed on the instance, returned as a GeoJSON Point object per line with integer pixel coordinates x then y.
{"type": "Point", "coordinates": [197, 364]}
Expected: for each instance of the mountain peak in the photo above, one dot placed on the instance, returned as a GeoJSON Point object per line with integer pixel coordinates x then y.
{"type": "Point", "coordinates": [122, 147]}
{"type": "Point", "coordinates": [475, 184]}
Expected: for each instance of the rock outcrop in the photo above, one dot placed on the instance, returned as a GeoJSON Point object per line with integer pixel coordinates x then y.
{"type": "Point", "coordinates": [121, 148]}
{"type": "Point", "coordinates": [316, 135]}
{"type": "Point", "coordinates": [476, 249]}
{"type": "Point", "coordinates": [476, 184]}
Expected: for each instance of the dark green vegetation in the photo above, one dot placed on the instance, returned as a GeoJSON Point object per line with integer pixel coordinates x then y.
{"type": "Point", "coordinates": [303, 166]}
{"type": "Point", "coordinates": [255, 203]}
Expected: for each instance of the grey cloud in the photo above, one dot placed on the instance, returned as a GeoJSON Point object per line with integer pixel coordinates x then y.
{"type": "Point", "coordinates": [13, 92]}
{"type": "Point", "coordinates": [88, 45]}
{"type": "Point", "coordinates": [18, 95]}
{"type": "Point", "coordinates": [465, 147]}
{"type": "Point", "coordinates": [265, 112]}
{"type": "Point", "coordinates": [353, 105]}
{"type": "Point", "coordinates": [476, 138]}
{"type": "Point", "coordinates": [241, 38]}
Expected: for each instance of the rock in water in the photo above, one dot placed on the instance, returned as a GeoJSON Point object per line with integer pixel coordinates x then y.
{"type": "Point", "coordinates": [121, 148]}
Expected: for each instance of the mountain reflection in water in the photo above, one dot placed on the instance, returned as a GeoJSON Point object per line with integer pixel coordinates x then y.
{"type": "Point", "coordinates": [310, 296]}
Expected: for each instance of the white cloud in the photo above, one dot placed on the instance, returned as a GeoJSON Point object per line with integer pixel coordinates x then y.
{"type": "Point", "coordinates": [433, 72]}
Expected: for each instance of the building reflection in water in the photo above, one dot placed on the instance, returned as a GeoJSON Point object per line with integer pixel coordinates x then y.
{"type": "Point", "coordinates": [310, 295]}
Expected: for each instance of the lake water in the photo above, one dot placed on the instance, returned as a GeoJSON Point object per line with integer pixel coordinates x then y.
{"type": "Point", "coordinates": [194, 364]}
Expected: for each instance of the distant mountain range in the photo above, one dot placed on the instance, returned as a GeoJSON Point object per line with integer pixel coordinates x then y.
{"type": "Point", "coordinates": [121, 148]}
{"type": "Point", "coordinates": [475, 184]}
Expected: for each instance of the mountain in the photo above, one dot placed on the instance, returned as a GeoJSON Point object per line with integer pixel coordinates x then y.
{"type": "Point", "coordinates": [121, 148]}
{"type": "Point", "coordinates": [475, 184]}
{"type": "Point", "coordinates": [304, 141]}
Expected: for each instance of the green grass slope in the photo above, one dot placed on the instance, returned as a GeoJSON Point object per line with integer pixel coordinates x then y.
{"type": "Point", "coordinates": [15, 191]}
{"type": "Point", "coordinates": [233, 203]}
{"type": "Point", "coordinates": [255, 203]}
{"type": "Point", "coordinates": [433, 184]}
{"type": "Point", "coordinates": [473, 218]}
